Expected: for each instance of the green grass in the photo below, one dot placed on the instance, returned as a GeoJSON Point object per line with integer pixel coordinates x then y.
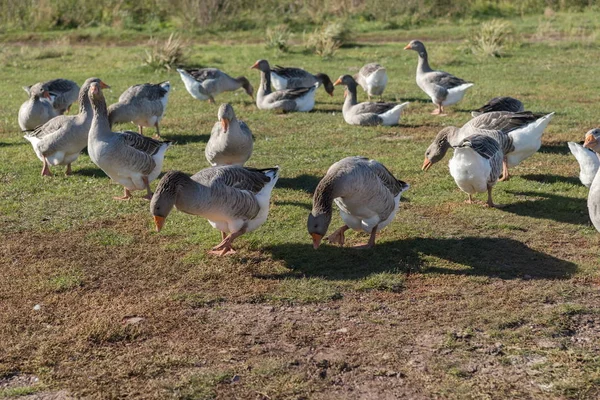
{"type": "Point", "coordinates": [455, 301]}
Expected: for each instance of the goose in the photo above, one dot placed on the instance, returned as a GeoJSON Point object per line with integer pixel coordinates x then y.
{"type": "Point", "coordinates": [144, 105]}
{"type": "Point", "coordinates": [476, 166]}
{"type": "Point", "coordinates": [37, 110]}
{"type": "Point", "coordinates": [205, 83]}
{"type": "Point", "coordinates": [367, 114]}
{"type": "Point", "coordinates": [443, 88]}
{"type": "Point", "coordinates": [588, 162]}
{"type": "Point", "coordinates": [373, 79]}
{"type": "Point", "coordinates": [234, 199]}
{"type": "Point", "coordinates": [519, 134]}
{"type": "Point", "coordinates": [592, 141]}
{"type": "Point", "coordinates": [60, 140]}
{"type": "Point", "coordinates": [127, 158]}
{"type": "Point", "coordinates": [499, 104]}
{"type": "Point", "coordinates": [301, 99]}
{"type": "Point", "coordinates": [293, 78]}
{"type": "Point", "coordinates": [367, 194]}
{"type": "Point", "coordinates": [230, 141]}
{"type": "Point", "coordinates": [63, 93]}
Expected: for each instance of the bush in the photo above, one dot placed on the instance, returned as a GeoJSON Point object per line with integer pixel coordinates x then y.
{"type": "Point", "coordinates": [325, 41]}
{"type": "Point", "coordinates": [277, 38]}
{"type": "Point", "coordinates": [492, 38]}
{"type": "Point", "coordinates": [165, 55]}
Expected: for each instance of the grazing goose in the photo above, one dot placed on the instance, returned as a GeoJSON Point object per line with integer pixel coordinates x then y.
{"type": "Point", "coordinates": [499, 104]}
{"type": "Point", "coordinates": [127, 158]}
{"type": "Point", "coordinates": [37, 110]}
{"type": "Point", "coordinates": [235, 200]}
{"type": "Point", "coordinates": [592, 141]}
{"type": "Point", "coordinates": [205, 83]}
{"type": "Point", "coordinates": [373, 79]}
{"type": "Point", "coordinates": [60, 140]}
{"type": "Point", "coordinates": [230, 141]}
{"type": "Point", "coordinates": [63, 93]}
{"type": "Point", "coordinates": [588, 162]}
{"type": "Point", "coordinates": [367, 114]}
{"type": "Point", "coordinates": [476, 166]}
{"type": "Point", "coordinates": [293, 78]}
{"type": "Point", "coordinates": [144, 105]}
{"type": "Point", "coordinates": [301, 99]}
{"type": "Point", "coordinates": [367, 194]}
{"type": "Point", "coordinates": [443, 88]}
{"type": "Point", "coordinates": [519, 135]}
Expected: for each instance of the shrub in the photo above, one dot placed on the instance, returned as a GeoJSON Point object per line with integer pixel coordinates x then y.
{"type": "Point", "coordinates": [492, 38]}
{"type": "Point", "coordinates": [277, 38]}
{"type": "Point", "coordinates": [325, 41]}
{"type": "Point", "coordinates": [165, 55]}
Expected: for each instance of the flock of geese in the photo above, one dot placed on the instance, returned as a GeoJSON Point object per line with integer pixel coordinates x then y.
{"type": "Point", "coordinates": [235, 199]}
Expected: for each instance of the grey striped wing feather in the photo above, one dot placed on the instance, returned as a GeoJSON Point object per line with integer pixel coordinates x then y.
{"type": "Point", "coordinates": [389, 181]}
{"type": "Point", "coordinates": [250, 179]}
{"type": "Point", "coordinates": [368, 69]}
{"type": "Point", "coordinates": [142, 143]}
{"type": "Point", "coordinates": [483, 145]}
{"type": "Point", "coordinates": [445, 79]}
{"type": "Point", "coordinates": [290, 94]}
{"type": "Point", "coordinates": [146, 91]}
{"type": "Point", "coordinates": [508, 104]}
{"type": "Point", "coordinates": [504, 121]}
{"type": "Point", "coordinates": [375, 108]}
{"type": "Point", "coordinates": [289, 72]}
{"type": "Point", "coordinates": [202, 74]}
{"type": "Point", "coordinates": [60, 86]}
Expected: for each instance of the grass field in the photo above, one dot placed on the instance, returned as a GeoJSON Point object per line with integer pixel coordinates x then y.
{"type": "Point", "coordinates": [455, 301]}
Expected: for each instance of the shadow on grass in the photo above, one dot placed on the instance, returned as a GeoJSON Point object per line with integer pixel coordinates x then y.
{"type": "Point", "coordinates": [547, 178]}
{"type": "Point", "coordinates": [306, 206]}
{"type": "Point", "coordinates": [90, 171]}
{"type": "Point", "coordinates": [570, 210]}
{"type": "Point", "coordinates": [495, 257]}
{"type": "Point", "coordinates": [9, 144]}
{"type": "Point", "coordinates": [557, 148]}
{"type": "Point", "coordinates": [304, 182]}
{"type": "Point", "coordinates": [184, 139]}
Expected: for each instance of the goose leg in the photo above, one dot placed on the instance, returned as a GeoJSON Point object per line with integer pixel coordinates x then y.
{"type": "Point", "coordinates": [438, 111]}
{"type": "Point", "coordinates": [46, 169]}
{"type": "Point", "coordinates": [505, 174]}
{"type": "Point", "coordinates": [211, 100]}
{"type": "Point", "coordinates": [149, 193]}
{"type": "Point", "coordinates": [157, 130]}
{"type": "Point", "coordinates": [223, 236]}
{"type": "Point", "coordinates": [490, 202]}
{"type": "Point", "coordinates": [224, 247]}
{"type": "Point", "coordinates": [69, 172]}
{"type": "Point", "coordinates": [371, 242]}
{"type": "Point", "coordinates": [126, 195]}
{"type": "Point", "coordinates": [140, 130]}
{"type": "Point", "coordinates": [338, 236]}
{"type": "Point", "coordinates": [470, 199]}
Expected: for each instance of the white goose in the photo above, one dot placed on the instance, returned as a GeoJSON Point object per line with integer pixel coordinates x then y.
{"type": "Point", "coordinates": [592, 141]}
{"type": "Point", "coordinates": [235, 200]}
{"type": "Point", "coordinates": [588, 162]}
{"type": "Point", "coordinates": [476, 166]}
{"type": "Point", "coordinates": [519, 135]}
{"type": "Point", "coordinates": [367, 194]}
{"type": "Point", "coordinates": [373, 79]}
{"type": "Point", "coordinates": [127, 158]}
{"type": "Point", "coordinates": [205, 83]}
{"type": "Point", "coordinates": [444, 89]}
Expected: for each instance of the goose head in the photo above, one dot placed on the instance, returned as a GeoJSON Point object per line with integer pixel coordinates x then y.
{"type": "Point", "coordinates": [592, 140]}
{"type": "Point", "coordinates": [165, 196]}
{"type": "Point", "coordinates": [324, 79]}
{"type": "Point", "coordinates": [317, 225]}
{"type": "Point", "coordinates": [225, 115]}
{"type": "Point", "coordinates": [37, 91]}
{"type": "Point", "coordinates": [438, 148]}
{"type": "Point", "coordinates": [262, 65]}
{"type": "Point", "coordinates": [246, 85]}
{"type": "Point", "coordinates": [417, 46]}
{"type": "Point", "coordinates": [347, 81]}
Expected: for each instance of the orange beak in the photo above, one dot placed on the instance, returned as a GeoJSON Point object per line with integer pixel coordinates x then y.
{"type": "Point", "coordinates": [159, 222]}
{"type": "Point", "coordinates": [255, 66]}
{"type": "Point", "coordinates": [407, 47]}
{"type": "Point", "coordinates": [104, 85]}
{"type": "Point", "coordinates": [46, 94]}
{"type": "Point", "coordinates": [426, 164]}
{"type": "Point", "coordinates": [225, 124]}
{"type": "Point", "coordinates": [316, 240]}
{"type": "Point", "coordinates": [590, 141]}
{"type": "Point", "coordinates": [338, 82]}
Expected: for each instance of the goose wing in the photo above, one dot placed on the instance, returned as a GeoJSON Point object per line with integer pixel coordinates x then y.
{"type": "Point", "coordinates": [242, 178]}
{"type": "Point", "coordinates": [501, 104]}
{"type": "Point", "coordinates": [394, 185]}
{"type": "Point", "coordinates": [368, 69]}
{"type": "Point", "coordinates": [57, 86]}
{"type": "Point", "coordinates": [290, 73]}
{"type": "Point", "coordinates": [444, 79]}
{"type": "Point", "coordinates": [375, 108]}
{"type": "Point", "coordinates": [203, 74]}
{"type": "Point", "coordinates": [142, 143]}
{"type": "Point", "coordinates": [290, 94]}
{"type": "Point", "coordinates": [503, 121]}
{"type": "Point", "coordinates": [146, 91]}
